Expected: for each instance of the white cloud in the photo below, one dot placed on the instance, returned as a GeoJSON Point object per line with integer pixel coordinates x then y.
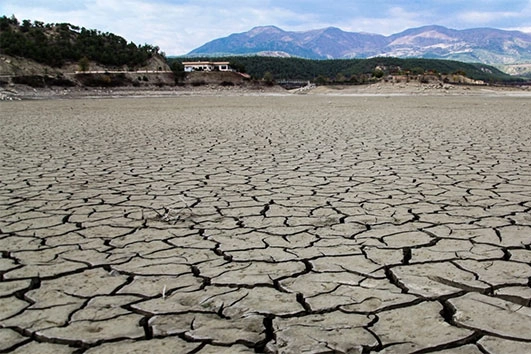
{"type": "Point", "coordinates": [393, 20]}
{"type": "Point", "coordinates": [479, 17]}
{"type": "Point", "coordinates": [178, 26]}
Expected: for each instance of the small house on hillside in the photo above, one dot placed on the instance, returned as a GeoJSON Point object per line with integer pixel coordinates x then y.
{"type": "Point", "coordinates": [190, 66]}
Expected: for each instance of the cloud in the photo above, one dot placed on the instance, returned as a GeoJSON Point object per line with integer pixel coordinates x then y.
{"type": "Point", "coordinates": [178, 26]}
{"type": "Point", "coordinates": [513, 14]}
{"type": "Point", "coordinates": [175, 26]}
{"type": "Point", "coordinates": [478, 17]}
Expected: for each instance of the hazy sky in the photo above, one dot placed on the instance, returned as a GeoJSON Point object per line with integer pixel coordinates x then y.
{"type": "Point", "coordinates": [178, 26]}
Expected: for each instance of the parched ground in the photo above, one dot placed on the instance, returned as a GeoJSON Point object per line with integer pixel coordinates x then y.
{"type": "Point", "coordinates": [284, 224]}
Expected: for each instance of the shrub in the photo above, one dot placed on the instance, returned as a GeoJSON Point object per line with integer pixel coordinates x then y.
{"type": "Point", "coordinates": [378, 73]}
{"type": "Point", "coordinates": [269, 79]}
{"type": "Point", "coordinates": [84, 64]}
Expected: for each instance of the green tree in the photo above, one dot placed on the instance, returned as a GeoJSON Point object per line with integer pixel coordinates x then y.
{"type": "Point", "coordinates": [321, 80]}
{"type": "Point", "coordinates": [417, 70]}
{"type": "Point", "coordinates": [340, 78]}
{"type": "Point", "coordinates": [55, 44]}
{"type": "Point", "coordinates": [269, 78]}
{"type": "Point", "coordinates": [378, 73]}
{"type": "Point", "coordinates": [84, 64]}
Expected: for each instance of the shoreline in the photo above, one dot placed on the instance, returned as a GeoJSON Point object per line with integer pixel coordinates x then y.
{"type": "Point", "coordinates": [21, 92]}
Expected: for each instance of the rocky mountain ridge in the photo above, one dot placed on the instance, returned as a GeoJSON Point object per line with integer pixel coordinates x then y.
{"type": "Point", "coordinates": [484, 45]}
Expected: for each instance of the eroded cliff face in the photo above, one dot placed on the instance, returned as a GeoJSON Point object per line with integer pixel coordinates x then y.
{"type": "Point", "coordinates": [18, 70]}
{"type": "Point", "coordinates": [13, 66]}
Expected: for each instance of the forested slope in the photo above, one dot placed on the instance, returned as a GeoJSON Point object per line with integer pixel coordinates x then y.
{"type": "Point", "coordinates": [57, 44]}
{"type": "Point", "coordinates": [354, 70]}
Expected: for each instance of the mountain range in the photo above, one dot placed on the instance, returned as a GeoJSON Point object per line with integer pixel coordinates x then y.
{"type": "Point", "coordinates": [483, 45]}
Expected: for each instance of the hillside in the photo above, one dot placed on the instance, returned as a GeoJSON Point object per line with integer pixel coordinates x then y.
{"type": "Point", "coordinates": [357, 71]}
{"type": "Point", "coordinates": [483, 45]}
{"type": "Point", "coordinates": [58, 44]}
{"type": "Point", "coordinates": [64, 55]}
{"type": "Point", "coordinates": [42, 55]}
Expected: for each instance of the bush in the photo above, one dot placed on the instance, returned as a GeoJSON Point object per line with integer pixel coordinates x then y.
{"type": "Point", "coordinates": [269, 79]}
{"type": "Point", "coordinates": [378, 73]}
{"type": "Point", "coordinates": [84, 64]}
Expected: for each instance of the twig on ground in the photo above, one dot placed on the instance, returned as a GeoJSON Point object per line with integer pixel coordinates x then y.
{"type": "Point", "coordinates": [167, 216]}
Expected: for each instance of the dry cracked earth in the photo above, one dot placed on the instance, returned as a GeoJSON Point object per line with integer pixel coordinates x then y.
{"type": "Point", "coordinates": [266, 224]}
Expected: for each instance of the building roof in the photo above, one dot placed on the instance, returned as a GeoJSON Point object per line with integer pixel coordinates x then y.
{"type": "Point", "coordinates": [206, 63]}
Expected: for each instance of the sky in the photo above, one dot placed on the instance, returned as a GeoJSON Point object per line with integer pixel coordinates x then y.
{"type": "Point", "coordinates": [179, 26]}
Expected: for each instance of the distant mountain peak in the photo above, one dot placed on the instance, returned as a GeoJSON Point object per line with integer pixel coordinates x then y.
{"type": "Point", "coordinates": [486, 45]}
{"type": "Point", "coordinates": [263, 29]}
{"type": "Point", "coordinates": [332, 30]}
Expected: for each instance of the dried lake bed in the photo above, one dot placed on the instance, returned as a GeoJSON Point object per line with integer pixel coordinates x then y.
{"type": "Point", "coordinates": [287, 224]}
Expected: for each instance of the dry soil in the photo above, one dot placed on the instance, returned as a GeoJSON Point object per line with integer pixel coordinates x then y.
{"type": "Point", "coordinates": [281, 224]}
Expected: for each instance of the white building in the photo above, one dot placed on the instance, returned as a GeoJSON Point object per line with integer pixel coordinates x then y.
{"type": "Point", "coordinates": [190, 66]}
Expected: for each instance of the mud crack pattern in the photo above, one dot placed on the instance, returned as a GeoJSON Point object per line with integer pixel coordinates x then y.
{"type": "Point", "coordinates": [266, 224]}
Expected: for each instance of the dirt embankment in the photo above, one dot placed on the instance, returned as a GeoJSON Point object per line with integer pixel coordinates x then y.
{"type": "Point", "coordinates": [22, 78]}
{"type": "Point", "coordinates": [224, 78]}
{"type": "Point", "coordinates": [17, 66]}
{"type": "Point", "coordinates": [25, 79]}
{"type": "Point", "coordinates": [20, 75]}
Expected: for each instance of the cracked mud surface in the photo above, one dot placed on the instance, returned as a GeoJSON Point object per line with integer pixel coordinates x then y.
{"type": "Point", "coordinates": [266, 224]}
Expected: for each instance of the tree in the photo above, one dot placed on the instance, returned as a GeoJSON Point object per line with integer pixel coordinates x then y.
{"type": "Point", "coordinates": [268, 78]}
{"type": "Point", "coordinates": [378, 73]}
{"type": "Point", "coordinates": [340, 78]}
{"type": "Point", "coordinates": [239, 67]}
{"type": "Point", "coordinates": [321, 80]}
{"type": "Point", "coordinates": [84, 64]}
{"type": "Point", "coordinates": [55, 44]}
{"type": "Point", "coordinates": [26, 25]}
{"type": "Point", "coordinates": [417, 70]}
